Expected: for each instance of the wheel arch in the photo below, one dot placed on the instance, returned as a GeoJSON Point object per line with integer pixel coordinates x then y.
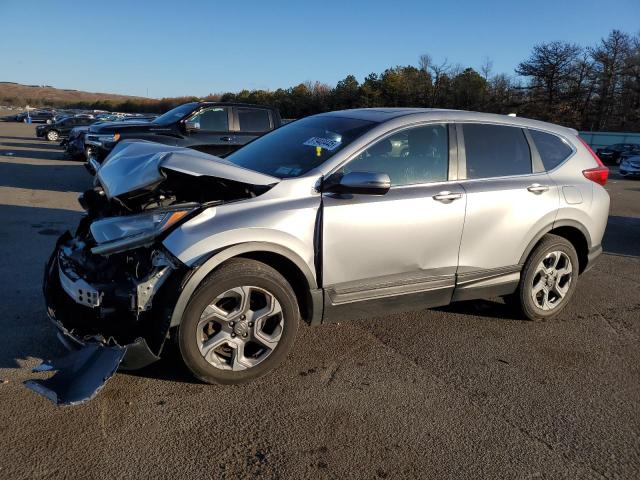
{"type": "Point", "coordinates": [573, 231]}
{"type": "Point", "coordinates": [293, 268]}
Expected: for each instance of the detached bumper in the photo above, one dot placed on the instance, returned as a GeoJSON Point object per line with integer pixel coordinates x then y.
{"type": "Point", "coordinates": [99, 339]}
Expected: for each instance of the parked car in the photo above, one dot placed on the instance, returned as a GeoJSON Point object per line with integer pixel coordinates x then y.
{"type": "Point", "coordinates": [611, 155]}
{"type": "Point", "coordinates": [630, 166]}
{"type": "Point", "coordinates": [335, 216]}
{"type": "Point", "coordinates": [74, 144]}
{"type": "Point", "coordinates": [215, 128]}
{"type": "Point", "coordinates": [37, 116]}
{"type": "Point", "coordinates": [54, 131]}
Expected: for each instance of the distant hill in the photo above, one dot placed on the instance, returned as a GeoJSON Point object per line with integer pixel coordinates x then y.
{"type": "Point", "coordinates": [16, 94]}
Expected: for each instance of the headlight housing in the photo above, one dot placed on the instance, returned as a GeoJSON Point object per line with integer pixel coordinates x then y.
{"type": "Point", "coordinates": [116, 234]}
{"type": "Point", "coordinates": [109, 138]}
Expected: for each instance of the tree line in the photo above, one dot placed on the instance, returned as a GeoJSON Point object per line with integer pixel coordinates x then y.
{"type": "Point", "coordinates": [589, 88]}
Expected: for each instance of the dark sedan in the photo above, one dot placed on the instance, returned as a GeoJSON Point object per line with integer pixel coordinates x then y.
{"type": "Point", "coordinates": [612, 154]}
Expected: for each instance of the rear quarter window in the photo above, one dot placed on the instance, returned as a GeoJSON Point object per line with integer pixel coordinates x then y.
{"type": "Point", "coordinates": [553, 150]}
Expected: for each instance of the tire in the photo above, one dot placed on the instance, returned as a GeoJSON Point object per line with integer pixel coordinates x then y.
{"type": "Point", "coordinates": [244, 343]}
{"type": "Point", "coordinates": [52, 135]}
{"type": "Point", "coordinates": [546, 288]}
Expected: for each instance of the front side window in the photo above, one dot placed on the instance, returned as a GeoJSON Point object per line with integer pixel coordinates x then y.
{"type": "Point", "coordinates": [413, 156]}
{"type": "Point", "coordinates": [213, 119]}
{"type": "Point", "coordinates": [254, 120]}
{"type": "Point", "coordinates": [495, 151]}
{"type": "Point", "coordinates": [552, 149]}
{"type": "Point", "coordinates": [300, 146]}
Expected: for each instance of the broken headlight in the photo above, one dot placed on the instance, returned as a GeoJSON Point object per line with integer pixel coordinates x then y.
{"type": "Point", "coordinates": [116, 234]}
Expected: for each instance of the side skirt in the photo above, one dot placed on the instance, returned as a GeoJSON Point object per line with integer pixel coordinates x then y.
{"type": "Point", "coordinates": [369, 299]}
{"type": "Point", "coordinates": [360, 299]}
{"type": "Point", "coordinates": [487, 283]}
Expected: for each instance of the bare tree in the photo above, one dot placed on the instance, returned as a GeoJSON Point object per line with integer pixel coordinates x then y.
{"type": "Point", "coordinates": [486, 67]}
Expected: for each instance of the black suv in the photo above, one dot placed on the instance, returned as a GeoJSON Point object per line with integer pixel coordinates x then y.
{"type": "Point", "coordinates": [211, 127]}
{"type": "Point", "coordinates": [54, 131]}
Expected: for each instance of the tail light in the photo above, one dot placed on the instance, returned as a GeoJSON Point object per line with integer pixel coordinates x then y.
{"type": "Point", "coordinates": [598, 174]}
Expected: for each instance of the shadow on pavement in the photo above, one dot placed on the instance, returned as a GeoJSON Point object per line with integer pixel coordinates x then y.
{"type": "Point", "coordinates": [60, 177]}
{"type": "Point", "coordinates": [622, 236]}
{"type": "Point", "coordinates": [484, 308]}
{"type": "Point", "coordinates": [27, 236]}
{"type": "Point", "coordinates": [2, 138]}
{"type": "Point", "coordinates": [169, 368]}
{"type": "Point", "coordinates": [31, 154]}
{"type": "Point", "coordinates": [36, 146]}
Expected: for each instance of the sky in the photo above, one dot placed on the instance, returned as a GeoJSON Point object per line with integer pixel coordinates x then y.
{"type": "Point", "coordinates": [170, 48]}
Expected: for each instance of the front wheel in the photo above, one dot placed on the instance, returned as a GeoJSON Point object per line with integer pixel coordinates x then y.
{"type": "Point", "coordinates": [548, 279]}
{"type": "Point", "coordinates": [52, 135]}
{"type": "Point", "coordinates": [239, 324]}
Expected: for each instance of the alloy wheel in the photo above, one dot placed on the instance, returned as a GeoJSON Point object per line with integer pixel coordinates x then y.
{"type": "Point", "coordinates": [551, 280]}
{"type": "Point", "coordinates": [240, 328]}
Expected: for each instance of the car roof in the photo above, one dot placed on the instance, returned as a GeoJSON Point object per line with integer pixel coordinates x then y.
{"type": "Point", "coordinates": [236, 104]}
{"type": "Point", "coordinates": [381, 115]}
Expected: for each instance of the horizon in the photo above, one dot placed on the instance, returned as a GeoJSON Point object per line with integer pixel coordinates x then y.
{"type": "Point", "coordinates": [216, 57]}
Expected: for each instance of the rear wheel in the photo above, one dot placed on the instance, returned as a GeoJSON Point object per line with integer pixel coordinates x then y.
{"type": "Point", "coordinates": [240, 324]}
{"type": "Point", "coordinates": [548, 279]}
{"type": "Point", "coordinates": [52, 135]}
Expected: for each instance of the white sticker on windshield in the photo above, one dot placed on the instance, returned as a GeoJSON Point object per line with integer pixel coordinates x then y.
{"type": "Point", "coordinates": [325, 143]}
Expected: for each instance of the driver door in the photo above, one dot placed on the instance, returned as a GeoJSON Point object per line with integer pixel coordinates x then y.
{"type": "Point", "coordinates": [210, 131]}
{"type": "Point", "coordinates": [397, 251]}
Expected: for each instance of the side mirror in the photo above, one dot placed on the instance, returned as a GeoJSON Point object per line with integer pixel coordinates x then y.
{"type": "Point", "coordinates": [192, 125]}
{"type": "Point", "coordinates": [364, 183]}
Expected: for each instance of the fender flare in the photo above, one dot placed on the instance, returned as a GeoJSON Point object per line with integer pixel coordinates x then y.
{"type": "Point", "coordinates": [559, 223]}
{"type": "Point", "coordinates": [206, 267]}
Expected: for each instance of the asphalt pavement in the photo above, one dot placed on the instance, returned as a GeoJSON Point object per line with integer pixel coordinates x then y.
{"type": "Point", "coordinates": [467, 391]}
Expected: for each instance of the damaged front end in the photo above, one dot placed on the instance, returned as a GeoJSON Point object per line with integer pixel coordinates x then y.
{"type": "Point", "coordinates": [111, 288]}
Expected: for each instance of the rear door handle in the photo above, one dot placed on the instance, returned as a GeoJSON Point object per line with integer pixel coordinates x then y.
{"type": "Point", "coordinates": [537, 188]}
{"type": "Point", "coordinates": [447, 196]}
{"type": "Point", "coordinates": [226, 139]}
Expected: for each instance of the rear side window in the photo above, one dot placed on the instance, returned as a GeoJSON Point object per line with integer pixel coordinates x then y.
{"type": "Point", "coordinates": [495, 151]}
{"type": "Point", "coordinates": [253, 120]}
{"type": "Point", "coordinates": [552, 149]}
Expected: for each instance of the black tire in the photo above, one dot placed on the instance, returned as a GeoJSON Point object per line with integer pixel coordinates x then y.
{"type": "Point", "coordinates": [523, 296]}
{"type": "Point", "coordinates": [234, 273]}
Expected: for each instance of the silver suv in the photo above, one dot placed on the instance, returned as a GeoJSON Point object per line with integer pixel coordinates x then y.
{"type": "Point", "coordinates": [340, 215]}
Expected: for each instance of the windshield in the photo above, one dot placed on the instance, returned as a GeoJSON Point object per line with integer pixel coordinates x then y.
{"type": "Point", "coordinates": [175, 114]}
{"type": "Point", "coordinates": [296, 148]}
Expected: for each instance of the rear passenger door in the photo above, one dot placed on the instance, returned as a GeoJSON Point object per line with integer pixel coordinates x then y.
{"type": "Point", "coordinates": [251, 123]}
{"type": "Point", "coordinates": [510, 198]}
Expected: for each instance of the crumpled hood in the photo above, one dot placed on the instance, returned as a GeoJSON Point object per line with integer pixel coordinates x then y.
{"type": "Point", "coordinates": [138, 164]}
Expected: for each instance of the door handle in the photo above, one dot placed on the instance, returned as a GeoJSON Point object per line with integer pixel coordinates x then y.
{"type": "Point", "coordinates": [447, 196]}
{"type": "Point", "coordinates": [537, 188]}
{"type": "Point", "coordinates": [226, 139]}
